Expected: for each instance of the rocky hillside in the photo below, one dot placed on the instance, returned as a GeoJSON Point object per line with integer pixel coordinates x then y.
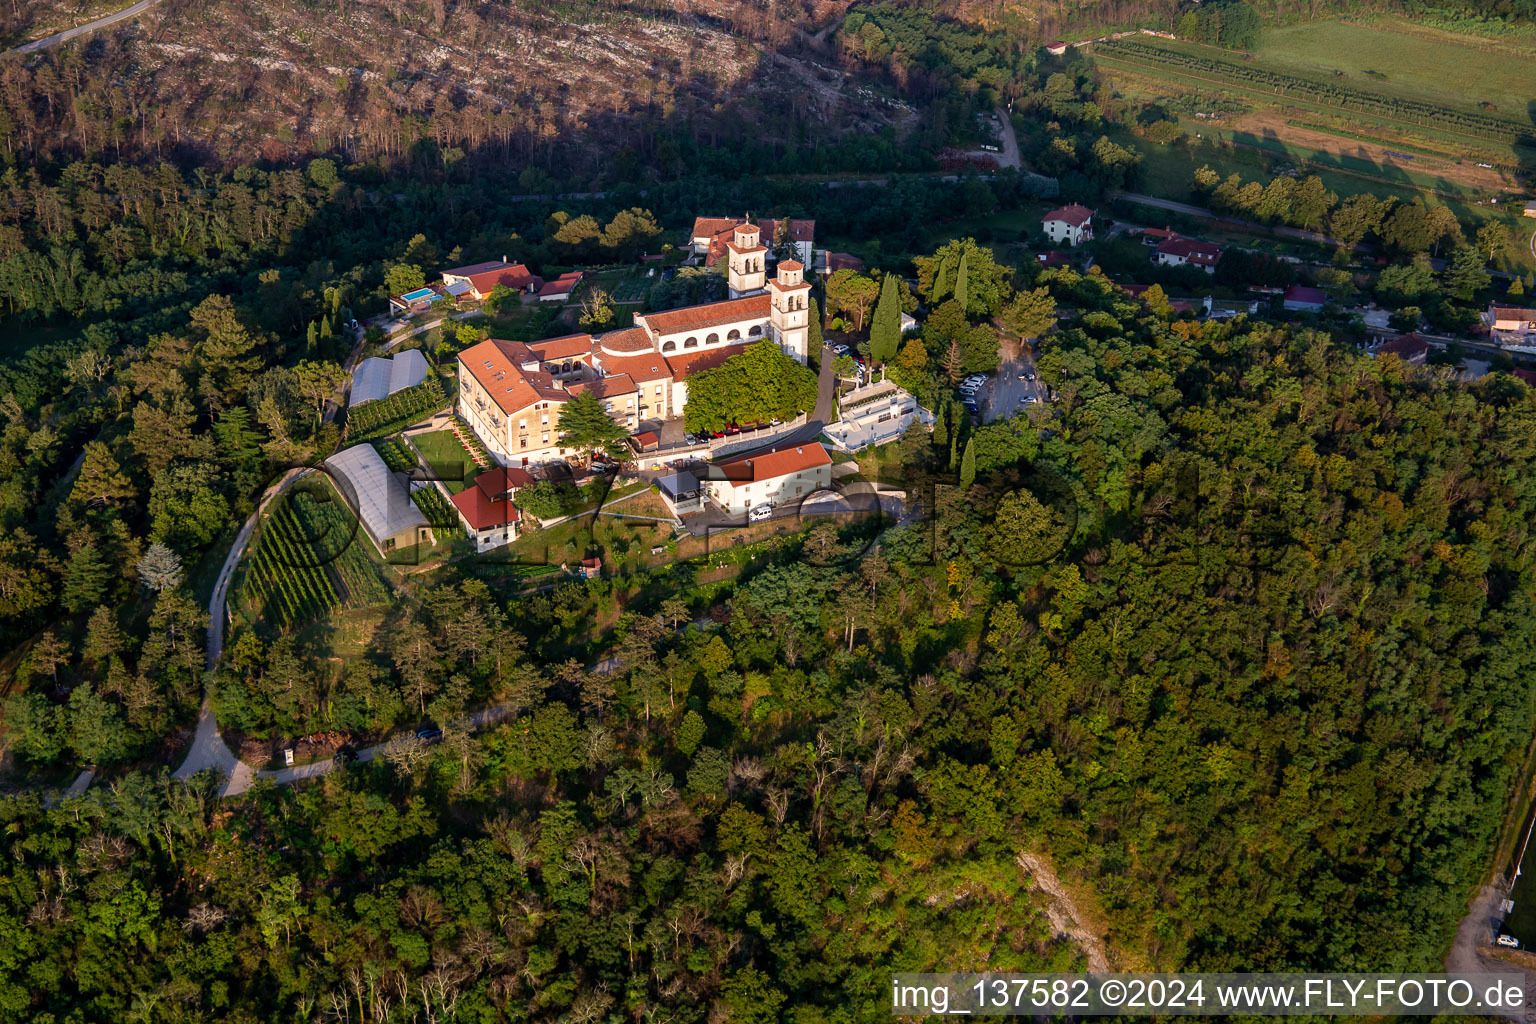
{"type": "Point", "coordinates": [566, 84]}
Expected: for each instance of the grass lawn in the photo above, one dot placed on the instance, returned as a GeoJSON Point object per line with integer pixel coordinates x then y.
{"type": "Point", "coordinates": [454, 466]}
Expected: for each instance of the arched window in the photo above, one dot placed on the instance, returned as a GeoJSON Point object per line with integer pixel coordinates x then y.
{"type": "Point", "coordinates": [669, 346]}
{"type": "Point", "coordinates": [565, 367]}
{"type": "Point", "coordinates": [735, 335]}
{"type": "Point", "coordinates": [755, 332]}
{"type": "Point", "coordinates": [691, 343]}
{"type": "Point", "coordinates": [713, 339]}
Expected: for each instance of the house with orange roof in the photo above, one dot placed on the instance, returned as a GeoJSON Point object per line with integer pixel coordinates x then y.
{"type": "Point", "coordinates": [1072, 224]}
{"type": "Point", "coordinates": [477, 280]}
{"type": "Point", "coordinates": [778, 476]}
{"type": "Point", "coordinates": [485, 507]}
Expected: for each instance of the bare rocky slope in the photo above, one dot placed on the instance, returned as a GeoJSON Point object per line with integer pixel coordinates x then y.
{"type": "Point", "coordinates": [229, 81]}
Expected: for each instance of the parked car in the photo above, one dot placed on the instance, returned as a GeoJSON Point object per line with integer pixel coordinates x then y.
{"type": "Point", "coordinates": [347, 754]}
{"type": "Point", "coordinates": [758, 513]}
{"type": "Point", "coordinates": [429, 734]}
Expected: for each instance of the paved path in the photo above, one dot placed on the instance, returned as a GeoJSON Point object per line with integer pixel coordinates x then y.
{"type": "Point", "coordinates": [90, 26]}
{"type": "Point", "coordinates": [208, 751]}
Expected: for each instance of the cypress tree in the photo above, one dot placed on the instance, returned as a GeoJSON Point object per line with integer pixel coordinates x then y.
{"type": "Point", "coordinates": [312, 335]}
{"type": "Point", "coordinates": [941, 426]}
{"type": "Point", "coordinates": [885, 328]}
{"type": "Point", "coordinates": [968, 463]}
{"type": "Point", "coordinates": [963, 282]}
{"type": "Point", "coordinates": [943, 281]}
{"type": "Point", "coordinates": [813, 318]}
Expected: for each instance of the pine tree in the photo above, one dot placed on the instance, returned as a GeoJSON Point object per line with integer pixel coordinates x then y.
{"type": "Point", "coordinates": [586, 425]}
{"type": "Point", "coordinates": [48, 653]}
{"type": "Point", "coordinates": [885, 328]}
{"type": "Point", "coordinates": [954, 364]}
{"type": "Point", "coordinates": [101, 480]}
{"type": "Point", "coordinates": [85, 579]}
{"type": "Point", "coordinates": [968, 463]}
{"type": "Point", "coordinates": [160, 568]}
{"type": "Point", "coordinates": [102, 637]}
{"type": "Point", "coordinates": [963, 282]}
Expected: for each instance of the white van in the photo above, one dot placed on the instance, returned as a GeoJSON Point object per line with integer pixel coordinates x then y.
{"type": "Point", "coordinates": [759, 512]}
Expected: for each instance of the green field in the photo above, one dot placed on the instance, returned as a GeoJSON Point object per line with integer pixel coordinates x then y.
{"type": "Point", "coordinates": [1434, 67]}
{"type": "Point", "coordinates": [454, 466]}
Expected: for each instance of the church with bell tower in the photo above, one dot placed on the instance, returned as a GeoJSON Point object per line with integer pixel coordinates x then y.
{"type": "Point", "coordinates": [745, 262]}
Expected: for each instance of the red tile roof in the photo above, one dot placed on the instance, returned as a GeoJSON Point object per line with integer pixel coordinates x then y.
{"type": "Point", "coordinates": [687, 364]}
{"type": "Point", "coordinates": [480, 512]}
{"type": "Point", "coordinates": [627, 341]}
{"type": "Point", "coordinates": [1074, 214]}
{"type": "Point", "coordinates": [791, 265]}
{"type": "Point", "coordinates": [1204, 253]}
{"type": "Point", "coordinates": [843, 261]}
{"type": "Point", "coordinates": [1407, 347]}
{"type": "Point", "coordinates": [641, 369]}
{"type": "Point", "coordinates": [774, 463]}
{"type": "Point", "coordinates": [1304, 293]}
{"type": "Point", "coordinates": [564, 347]}
{"type": "Point", "coordinates": [712, 227]}
{"type": "Point", "coordinates": [483, 277]}
{"type": "Point", "coordinates": [1511, 312]}
{"type": "Point", "coordinates": [562, 285]}
{"type": "Point", "coordinates": [713, 314]}
{"type": "Point", "coordinates": [498, 481]}
{"type": "Point", "coordinates": [1529, 376]}
{"type": "Point", "coordinates": [607, 387]}
{"type": "Point", "coordinates": [496, 364]}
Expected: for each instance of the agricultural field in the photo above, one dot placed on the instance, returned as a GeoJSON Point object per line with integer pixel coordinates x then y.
{"type": "Point", "coordinates": [1373, 100]}
{"type": "Point", "coordinates": [1429, 66]}
{"type": "Point", "coordinates": [308, 558]}
{"type": "Point", "coordinates": [387, 415]}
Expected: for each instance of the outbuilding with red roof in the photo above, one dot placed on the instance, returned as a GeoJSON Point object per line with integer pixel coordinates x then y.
{"type": "Point", "coordinates": [1072, 224]}
{"type": "Point", "coordinates": [777, 476]}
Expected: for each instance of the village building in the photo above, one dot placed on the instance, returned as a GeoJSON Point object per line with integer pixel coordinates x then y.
{"type": "Point", "coordinates": [681, 493]}
{"type": "Point", "coordinates": [1410, 348]}
{"type": "Point", "coordinates": [776, 477]}
{"type": "Point", "coordinates": [485, 506]}
{"type": "Point", "coordinates": [380, 498]}
{"type": "Point", "coordinates": [1181, 252]}
{"type": "Point", "coordinates": [561, 288]}
{"type": "Point", "coordinates": [1072, 224]}
{"type": "Point", "coordinates": [478, 280]}
{"type": "Point", "coordinates": [1511, 326]}
{"type": "Point", "coordinates": [1300, 298]}
{"type": "Point", "coordinates": [712, 236]}
{"type": "Point", "coordinates": [511, 393]}
{"type": "Point", "coordinates": [875, 414]}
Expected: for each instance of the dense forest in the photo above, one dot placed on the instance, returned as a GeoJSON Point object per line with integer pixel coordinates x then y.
{"type": "Point", "coordinates": [1241, 644]}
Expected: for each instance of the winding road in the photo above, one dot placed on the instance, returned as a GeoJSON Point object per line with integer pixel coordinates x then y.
{"type": "Point", "coordinates": [89, 27]}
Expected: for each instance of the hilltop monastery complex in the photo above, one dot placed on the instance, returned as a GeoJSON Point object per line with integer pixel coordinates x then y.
{"type": "Point", "coordinates": [511, 393]}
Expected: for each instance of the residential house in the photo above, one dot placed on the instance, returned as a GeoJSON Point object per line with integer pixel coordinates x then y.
{"type": "Point", "coordinates": [485, 506]}
{"type": "Point", "coordinates": [380, 498]}
{"type": "Point", "coordinates": [1072, 224]}
{"type": "Point", "coordinates": [1410, 348]}
{"type": "Point", "coordinates": [1300, 298]}
{"type": "Point", "coordinates": [478, 280]}
{"type": "Point", "coordinates": [1056, 49]}
{"type": "Point", "coordinates": [681, 493]}
{"type": "Point", "coordinates": [778, 476]}
{"type": "Point", "coordinates": [1511, 326]}
{"type": "Point", "coordinates": [1181, 252]}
